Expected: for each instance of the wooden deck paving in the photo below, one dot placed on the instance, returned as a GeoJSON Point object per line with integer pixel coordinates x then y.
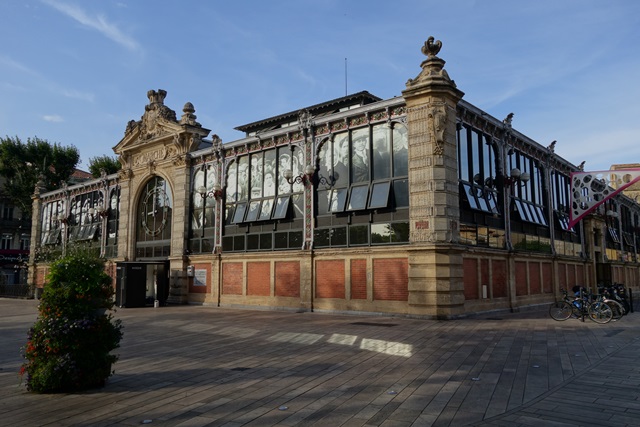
{"type": "Point", "coordinates": [209, 366]}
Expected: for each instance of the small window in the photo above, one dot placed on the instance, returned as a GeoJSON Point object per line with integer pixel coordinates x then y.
{"type": "Point", "coordinates": [380, 195]}
{"type": "Point", "coordinates": [614, 234]}
{"type": "Point", "coordinates": [543, 220]}
{"type": "Point", "coordinates": [338, 199]}
{"type": "Point", "coordinates": [359, 235]}
{"type": "Point", "coordinates": [530, 213]}
{"type": "Point", "coordinates": [563, 220]}
{"type": "Point", "coordinates": [282, 206]}
{"type": "Point", "coordinates": [470, 196]}
{"type": "Point", "coordinates": [254, 211]}
{"type": "Point", "coordinates": [401, 193]}
{"type": "Point", "coordinates": [53, 237]}
{"type": "Point", "coordinates": [238, 215]}
{"type": "Point", "coordinates": [265, 210]}
{"type": "Point", "coordinates": [358, 197]}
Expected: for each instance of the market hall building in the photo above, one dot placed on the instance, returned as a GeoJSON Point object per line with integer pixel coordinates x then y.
{"type": "Point", "coordinates": [420, 205]}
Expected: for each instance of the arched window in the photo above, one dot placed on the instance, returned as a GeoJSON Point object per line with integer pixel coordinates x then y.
{"type": "Point", "coordinates": [155, 209]}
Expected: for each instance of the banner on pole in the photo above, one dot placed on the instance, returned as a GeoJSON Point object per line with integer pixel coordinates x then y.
{"type": "Point", "coordinates": [591, 189]}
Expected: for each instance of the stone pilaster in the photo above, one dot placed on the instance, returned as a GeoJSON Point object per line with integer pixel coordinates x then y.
{"type": "Point", "coordinates": [126, 225]}
{"type": "Point", "coordinates": [36, 231]}
{"type": "Point", "coordinates": [435, 262]}
{"type": "Point", "coordinates": [178, 279]}
{"type": "Point", "coordinates": [181, 201]}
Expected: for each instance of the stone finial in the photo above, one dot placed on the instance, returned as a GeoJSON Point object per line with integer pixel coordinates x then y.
{"type": "Point", "coordinates": [156, 97]}
{"type": "Point", "coordinates": [433, 71]}
{"type": "Point", "coordinates": [40, 186]}
{"type": "Point", "coordinates": [431, 48]}
{"type": "Point", "coordinates": [552, 146]}
{"type": "Point", "coordinates": [188, 118]}
{"type": "Point", "coordinates": [581, 166]}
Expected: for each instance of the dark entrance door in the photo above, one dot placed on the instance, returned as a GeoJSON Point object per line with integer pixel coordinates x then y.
{"type": "Point", "coordinates": [141, 284]}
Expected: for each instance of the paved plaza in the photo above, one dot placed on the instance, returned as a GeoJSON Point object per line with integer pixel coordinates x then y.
{"type": "Point", "coordinates": [208, 366]}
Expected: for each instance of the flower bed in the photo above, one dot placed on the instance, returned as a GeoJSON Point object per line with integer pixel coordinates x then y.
{"type": "Point", "coordinates": [69, 346]}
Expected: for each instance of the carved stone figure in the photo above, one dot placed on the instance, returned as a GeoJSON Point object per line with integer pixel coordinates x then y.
{"type": "Point", "coordinates": [431, 48]}
{"type": "Point", "coordinates": [437, 122]}
{"type": "Point", "coordinates": [507, 121]}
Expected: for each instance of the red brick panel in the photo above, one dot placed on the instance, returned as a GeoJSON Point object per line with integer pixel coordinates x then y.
{"type": "Point", "coordinates": [391, 279]}
{"type": "Point", "coordinates": [535, 284]}
{"type": "Point", "coordinates": [571, 276]}
{"type": "Point", "coordinates": [547, 279]}
{"type": "Point", "coordinates": [499, 272]}
{"type": "Point", "coordinates": [470, 278]}
{"type": "Point", "coordinates": [287, 279]}
{"type": "Point", "coordinates": [232, 278]}
{"type": "Point", "coordinates": [521, 278]}
{"type": "Point", "coordinates": [259, 279]}
{"type": "Point", "coordinates": [562, 276]}
{"type": "Point", "coordinates": [330, 279]}
{"type": "Point", "coordinates": [358, 279]}
{"type": "Point", "coordinates": [580, 274]}
{"type": "Point", "coordinates": [484, 273]}
{"type": "Point", "coordinates": [41, 274]}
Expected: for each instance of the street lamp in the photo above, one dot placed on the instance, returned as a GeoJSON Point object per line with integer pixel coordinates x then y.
{"type": "Point", "coordinates": [516, 177]}
{"type": "Point", "coordinates": [304, 179]}
{"type": "Point", "coordinates": [217, 192]}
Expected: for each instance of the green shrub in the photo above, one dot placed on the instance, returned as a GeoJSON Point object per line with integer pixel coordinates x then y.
{"type": "Point", "coordinates": [68, 347]}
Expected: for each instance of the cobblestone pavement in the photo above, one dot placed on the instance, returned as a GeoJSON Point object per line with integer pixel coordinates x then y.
{"type": "Point", "coordinates": [208, 366]}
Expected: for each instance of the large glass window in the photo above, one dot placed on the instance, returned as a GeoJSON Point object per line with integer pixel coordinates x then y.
{"type": "Point", "coordinates": [362, 194]}
{"type": "Point", "coordinates": [560, 187]}
{"type": "Point", "coordinates": [528, 195]}
{"type": "Point", "coordinates": [113, 219]}
{"type": "Point", "coordinates": [362, 173]}
{"type": "Point", "coordinates": [53, 221]}
{"type": "Point", "coordinates": [203, 204]}
{"type": "Point", "coordinates": [477, 170]}
{"type": "Point", "coordinates": [270, 206]}
{"type": "Point", "coordinates": [155, 210]}
{"type": "Point", "coordinates": [84, 221]}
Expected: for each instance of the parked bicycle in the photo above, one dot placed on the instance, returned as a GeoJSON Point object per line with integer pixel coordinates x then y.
{"type": "Point", "coordinates": [616, 297]}
{"type": "Point", "coordinates": [584, 304]}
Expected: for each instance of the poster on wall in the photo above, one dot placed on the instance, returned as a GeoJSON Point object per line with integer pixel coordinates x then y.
{"type": "Point", "coordinates": [200, 278]}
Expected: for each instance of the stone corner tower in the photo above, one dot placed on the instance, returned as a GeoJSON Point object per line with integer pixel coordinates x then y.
{"type": "Point", "coordinates": [435, 260]}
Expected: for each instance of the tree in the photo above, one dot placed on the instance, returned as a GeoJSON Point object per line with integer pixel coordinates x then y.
{"type": "Point", "coordinates": [22, 164]}
{"type": "Point", "coordinates": [108, 164]}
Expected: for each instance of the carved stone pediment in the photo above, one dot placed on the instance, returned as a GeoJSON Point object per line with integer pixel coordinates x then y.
{"type": "Point", "coordinates": [159, 138]}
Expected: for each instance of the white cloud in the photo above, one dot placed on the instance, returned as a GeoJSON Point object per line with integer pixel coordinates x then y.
{"type": "Point", "coordinates": [74, 94]}
{"type": "Point", "coordinates": [98, 23]}
{"type": "Point", "coordinates": [11, 63]}
{"type": "Point", "coordinates": [53, 118]}
{"type": "Point", "coordinates": [53, 87]}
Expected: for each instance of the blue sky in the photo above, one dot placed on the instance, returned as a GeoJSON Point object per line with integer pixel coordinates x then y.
{"type": "Point", "coordinates": [75, 72]}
